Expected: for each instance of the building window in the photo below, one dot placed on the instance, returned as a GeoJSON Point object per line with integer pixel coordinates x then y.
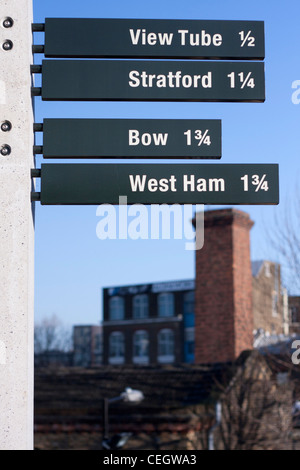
{"type": "Point", "coordinates": [166, 346]}
{"type": "Point", "coordinates": [274, 304]}
{"type": "Point", "coordinates": [140, 306]}
{"type": "Point", "coordinates": [189, 337]}
{"type": "Point", "coordinates": [166, 305]}
{"type": "Point", "coordinates": [189, 303]}
{"type": "Point", "coordinates": [294, 314]}
{"type": "Point", "coordinates": [141, 347]}
{"type": "Point", "coordinates": [116, 348]}
{"type": "Point", "coordinates": [116, 308]}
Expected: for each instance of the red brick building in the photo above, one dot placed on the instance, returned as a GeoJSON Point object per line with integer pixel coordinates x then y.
{"type": "Point", "coordinates": [231, 304]}
{"type": "Point", "coordinates": [223, 291]}
{"type": "Point", "coordinates": [149, 323]}
{"type": "Point", "coordinates": [294, 314]}
{"type": "Point", "coordinates": [252, 390]}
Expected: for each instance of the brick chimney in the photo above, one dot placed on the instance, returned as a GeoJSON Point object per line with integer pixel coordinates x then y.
{"type": "Point", "coordinates": [223, 301]}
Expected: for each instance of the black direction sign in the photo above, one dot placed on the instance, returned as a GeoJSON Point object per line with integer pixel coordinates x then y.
{"type": "Point", "coordinates": [131, 138]}
{"type": "Point", "coordinates": [219, 184]}
{"type": "Point", "coordinates": [129, 38]}
{"type": "Point", "coordinates": [129, 80]}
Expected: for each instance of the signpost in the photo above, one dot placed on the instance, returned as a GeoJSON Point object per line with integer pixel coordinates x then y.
{"type": "Point", "coordinates": [110, 80]}
{"type": "Point", "coordinates": [84, 184]}
{"type": "Point", "coordinates": [140, 80]}
{"type": "Point", "coordinates": [129, 38]}
{"type": "Point", "coordinates": [16, 228]}
{"type": "Point", "coordinates": [150, 80]}
{"type": "Point", "coordinates": [131, 138]}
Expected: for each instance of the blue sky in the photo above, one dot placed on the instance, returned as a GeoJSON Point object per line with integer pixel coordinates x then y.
{"type": "Point", "coordinates": [71, 264]}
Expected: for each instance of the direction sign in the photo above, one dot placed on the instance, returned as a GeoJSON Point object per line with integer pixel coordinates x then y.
{"type": "Point", "coordinates": [159, 183]}
{"type": "Point", "coordinates": [131, 138]}
{"type": "Point", "coordinates": [129, 80]}
{"type": "Point", "coordinates": [186, 39]}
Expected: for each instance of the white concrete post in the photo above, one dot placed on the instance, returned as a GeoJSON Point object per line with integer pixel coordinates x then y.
{"type": "Point", "coordinates": [16, 227]}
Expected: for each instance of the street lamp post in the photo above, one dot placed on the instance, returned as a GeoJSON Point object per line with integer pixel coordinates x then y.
{"type": "Point", "coordinates": [117, 441]}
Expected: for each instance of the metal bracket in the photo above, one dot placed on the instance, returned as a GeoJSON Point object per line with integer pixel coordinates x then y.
{"type": "Point", "coordinates": [36, 68]}
{"type": "Point", "coordinates": [37, 149]}
{"type": "Point", "coordinates": [36, 91]}
{"type": "Point", "coordinates": [38, 127]}
{"type": "Point", "coordinates": [38, 27]}
{"type": "Point", "coordinates": [36, 173]}
{"type": "Point", "coordinates": [35, 197]}
{"type": "Point", "coordinates": [38, 49]}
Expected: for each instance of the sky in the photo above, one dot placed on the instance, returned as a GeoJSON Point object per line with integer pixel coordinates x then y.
{"type": "Point", "coordinates": [72, 265]}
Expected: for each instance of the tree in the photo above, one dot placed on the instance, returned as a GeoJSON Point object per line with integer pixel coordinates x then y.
{"type": "Point", "coordinates": [256, 407]}
{"type": "Point", "coordinates": [284, 238]}
{"type": "Point", "coordinates": [50, 335]}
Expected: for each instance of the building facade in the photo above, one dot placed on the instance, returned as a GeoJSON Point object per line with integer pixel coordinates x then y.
{"type": "Point", "coordinates": [87, 345]}
{"type": "Point", "coordinates": [223, 293]}
{"type": "Point", "coordinates": [270, 300]}
{"type": "Point", "coordinates": [294, 314]}
{"type": "Point", "coordinates": [149, 323]}
{"type": "Point", "coordinates": [229, 307]}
